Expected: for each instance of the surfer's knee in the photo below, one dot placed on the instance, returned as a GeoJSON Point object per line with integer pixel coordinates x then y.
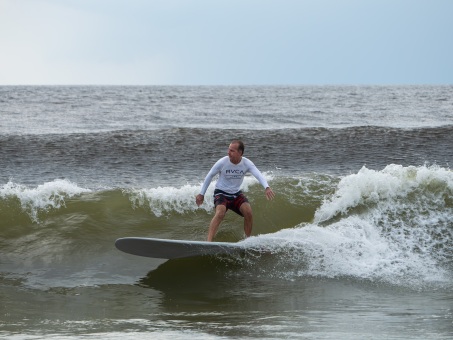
{"type": "Point", "coordinates": [246, 210]}
{"type": "Point", "coordinates": [220, 212]}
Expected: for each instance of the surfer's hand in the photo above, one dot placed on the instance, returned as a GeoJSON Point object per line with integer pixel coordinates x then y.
{"type": "Point", "coordinates": [269, 193]}
{"type": "Point", "coordinates": [199, 199]}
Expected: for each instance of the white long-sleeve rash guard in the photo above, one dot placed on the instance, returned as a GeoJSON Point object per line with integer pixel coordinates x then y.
{"type": "Point", "coordinates": [232, 175]}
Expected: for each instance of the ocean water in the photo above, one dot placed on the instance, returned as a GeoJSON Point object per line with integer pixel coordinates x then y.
{"type": "Point", "coordinates": [358, 241]}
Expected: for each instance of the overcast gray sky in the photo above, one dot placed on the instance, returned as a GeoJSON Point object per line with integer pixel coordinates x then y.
{"type": "Point", "coordinates": [226, 42]}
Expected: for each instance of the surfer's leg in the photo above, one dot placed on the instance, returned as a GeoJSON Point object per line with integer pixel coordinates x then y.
{"type": "Point", "coordinates": [246, 211]}
{"type": "Point", "coordinates": [220, 211]}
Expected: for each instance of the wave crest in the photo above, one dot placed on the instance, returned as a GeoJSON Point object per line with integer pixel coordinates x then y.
{"type": "Point", "coordinates": [43, 198]}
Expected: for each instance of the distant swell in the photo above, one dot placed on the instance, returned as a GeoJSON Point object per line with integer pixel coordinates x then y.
{"type": "Point", "coordinates": [177, 156]}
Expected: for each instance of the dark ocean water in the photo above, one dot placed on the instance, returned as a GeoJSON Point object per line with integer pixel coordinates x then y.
{"type": "Point", "coordinates": [359, 238]}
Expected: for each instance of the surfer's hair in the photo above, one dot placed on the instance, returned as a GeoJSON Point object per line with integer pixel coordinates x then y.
{"type": "Point", "coordinates": [240, 144]}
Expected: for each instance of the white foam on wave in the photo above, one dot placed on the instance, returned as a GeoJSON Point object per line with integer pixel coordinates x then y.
{"type": "Point", "coordinates": [350, 248]}
{"type": "Point", "coordinates": [162, 200]}
{"type": "Point", "coordinates": [44, 197]}
{"type": "Point", "coordinates": [372, 187]}
{"type": "Point", "coordinates": [167, 199]}
{"type": "Point", "coordinates": [394, 225]}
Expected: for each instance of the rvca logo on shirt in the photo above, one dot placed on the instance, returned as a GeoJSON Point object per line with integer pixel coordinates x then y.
{"type": "Point", "coordinates": [235, 173]}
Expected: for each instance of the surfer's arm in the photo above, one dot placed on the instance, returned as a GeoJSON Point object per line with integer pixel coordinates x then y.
{"type": "Point", "coordinates": [208, 180]}
{"type": "Point", "coordinates": [199, 199]}
{"type": "Point", "coordinates": [259, 176]}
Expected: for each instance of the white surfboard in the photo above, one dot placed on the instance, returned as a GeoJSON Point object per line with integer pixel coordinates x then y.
{"type": "Point", "coordinates": [175, 249]}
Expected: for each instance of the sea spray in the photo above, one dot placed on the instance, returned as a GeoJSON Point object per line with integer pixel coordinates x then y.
{"type": "Point", "coordinates": [43, 198]}
{"type": "Point", "coordinates": [410, 205]}
{"type": "Point", "coordinates": [394, 226]}
{"type": "Point", "coordinates": [165, 200]}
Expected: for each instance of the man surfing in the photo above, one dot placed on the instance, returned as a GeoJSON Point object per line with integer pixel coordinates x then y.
{"type": "Point", "coordinates": [227, 194]}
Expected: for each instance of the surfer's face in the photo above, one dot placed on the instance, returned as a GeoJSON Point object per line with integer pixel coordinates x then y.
{"type": "Point", "coordinates": [234, 154]}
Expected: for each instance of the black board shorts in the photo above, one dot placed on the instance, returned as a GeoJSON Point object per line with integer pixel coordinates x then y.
{"type": "Point", "coordinates": [230, 201]}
